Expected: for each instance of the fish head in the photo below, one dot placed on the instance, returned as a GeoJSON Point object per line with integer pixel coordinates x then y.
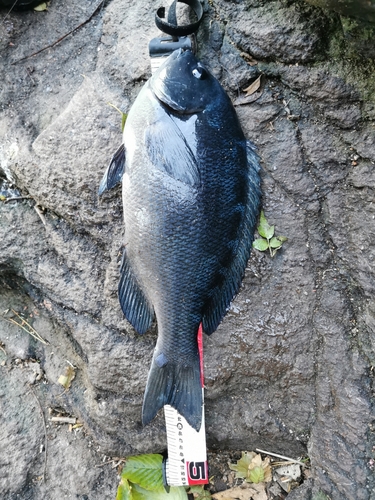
{"type": "Point", "coordinates": [184, 84]}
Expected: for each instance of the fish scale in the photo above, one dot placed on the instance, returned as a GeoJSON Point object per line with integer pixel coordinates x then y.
{"type": "Point", "coordinates": [191, 198]}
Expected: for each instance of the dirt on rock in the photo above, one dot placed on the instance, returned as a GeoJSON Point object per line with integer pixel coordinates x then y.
{"type": "Point", "coordinates": [290, 369]}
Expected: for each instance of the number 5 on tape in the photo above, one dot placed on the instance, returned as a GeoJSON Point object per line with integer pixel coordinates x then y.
{"type": "Point", "coordinates": [187, 454]}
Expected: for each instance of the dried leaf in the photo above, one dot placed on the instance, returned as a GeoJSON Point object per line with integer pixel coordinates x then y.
{"type": "Point", "coordinates": [251, 89]}
{"type": "Point", "coordinates": [256, 461]}
{"type": "Point", "coordinates": [283, 239]}
{"type": "Point", "coordinates": [77, 426]}
{"type": "Point", "coordinates": [67, 379]}
{"type": "Point", "coordinates": [266, 464]}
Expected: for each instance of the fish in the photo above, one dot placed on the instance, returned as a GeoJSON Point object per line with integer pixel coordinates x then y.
{"type": "Point", "coordinates": [191, 196]}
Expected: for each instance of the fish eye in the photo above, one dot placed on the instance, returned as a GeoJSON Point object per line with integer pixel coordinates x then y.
{"type": "Point", "coordinates": [199, 72]}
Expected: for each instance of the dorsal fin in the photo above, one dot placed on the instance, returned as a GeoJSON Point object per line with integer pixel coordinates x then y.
{"type": "Point", "coordinates": [222, 295]}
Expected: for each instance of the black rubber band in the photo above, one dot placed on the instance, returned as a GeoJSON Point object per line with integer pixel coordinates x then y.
{"type": "Point", "coordinates": [171, 27]}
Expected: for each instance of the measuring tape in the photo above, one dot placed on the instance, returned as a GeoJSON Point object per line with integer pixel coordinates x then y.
{"type": "Point", "coordinates": [186, 464]}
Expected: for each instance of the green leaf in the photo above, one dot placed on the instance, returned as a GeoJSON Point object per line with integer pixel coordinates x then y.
{"type": "Point", "coordinates": [124, 490]}
{"type": "Point", "coordinates": [275, 243]}
{"type": "Point", "coordinates": [123, 115]}
{"type": "Point", "coordinates": [264, 229]}
{"type": "Point", "coordinates": [175, 493]}
{"type": "Point", "coordinates": [242, 465]}
{"type": "Point", "coordinates": [260, 244]}
{"type": "Point", "coordinates": [256, 475]}
{"type": "Point", "coordinates": [145, 470]}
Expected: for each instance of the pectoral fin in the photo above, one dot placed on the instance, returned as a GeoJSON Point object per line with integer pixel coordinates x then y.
{"type": "Point", "coordinates": [114, 172]}
{"type": "Point", "coordinates": [170, 152]}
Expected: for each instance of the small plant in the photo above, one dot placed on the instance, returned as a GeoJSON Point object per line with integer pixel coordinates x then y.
{"type": "Point", "coordinates": [142, 479]}
{"type": "Point", "coordinates": [123, 116]}
{"type": "Point", "coordinates": [252, 468]}
{"type": "Point", "coordinates": [268, 240]}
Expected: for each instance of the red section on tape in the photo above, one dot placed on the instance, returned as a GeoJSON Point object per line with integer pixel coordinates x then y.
{"type": "Point", "coordinates": [197, 473]}
{"type": "Point", "coordinates": [200, 350]}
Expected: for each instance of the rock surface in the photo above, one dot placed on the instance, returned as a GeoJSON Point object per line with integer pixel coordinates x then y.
{"type": "Point", "coordinates": [290, 369]}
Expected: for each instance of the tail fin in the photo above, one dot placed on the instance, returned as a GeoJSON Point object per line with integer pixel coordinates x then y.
{"type": "Point", "coordinates": [175, 385]}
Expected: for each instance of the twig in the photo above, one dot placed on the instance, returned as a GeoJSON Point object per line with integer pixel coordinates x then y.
{"type": "Point", "coordinates": [45, 432]}
{"type": "Point", "coordinates": [64, 420]}
{"type": "Point", "coordinates": [17, 198]}
{"type": "Point", "coordinates": [10, 10]}
{"type": "Point", "coordinates": [284, 462]}
{"type": "Point", "coordinates": [31, 78]}
{"type": "Point", "coordinates": [31, 331]}
{"type": "Point", "coordinates": [115, 463]}
{"type": "Point", "coordinates": [2, 348]}
{"type": "Point", "coordinates": [63, 37]}
{"type": "Point", "coordinates": [40, 213]}
{"type": "Point", "coordinates": [36, 208]}
{"type": "Point", "coordinates": [281, 456]}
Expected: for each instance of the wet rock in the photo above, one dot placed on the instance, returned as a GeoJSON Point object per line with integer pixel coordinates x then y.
{"type": "Point", "coordinates": [290, 368]}
{"type": "Point", "coordinates": [274, 31]}
{"type": "Point", "coordinates": [364, 9]}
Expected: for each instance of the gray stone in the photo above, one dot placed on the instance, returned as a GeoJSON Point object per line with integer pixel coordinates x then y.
{"type": "Point", "coordinates": [276, 31]}
{"type": "Point", "coordinates": [289, 370]}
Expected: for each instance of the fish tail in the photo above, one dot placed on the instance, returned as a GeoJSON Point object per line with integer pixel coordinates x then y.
{"type": "Point", "coordinates": [177, 385]}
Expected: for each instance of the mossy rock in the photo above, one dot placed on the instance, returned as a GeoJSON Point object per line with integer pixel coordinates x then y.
{"type": "Point", "coordinates": [362, 9]}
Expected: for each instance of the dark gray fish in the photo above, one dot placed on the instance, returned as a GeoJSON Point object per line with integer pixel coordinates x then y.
{"type": "Point", "coordinates": [191, 199]}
